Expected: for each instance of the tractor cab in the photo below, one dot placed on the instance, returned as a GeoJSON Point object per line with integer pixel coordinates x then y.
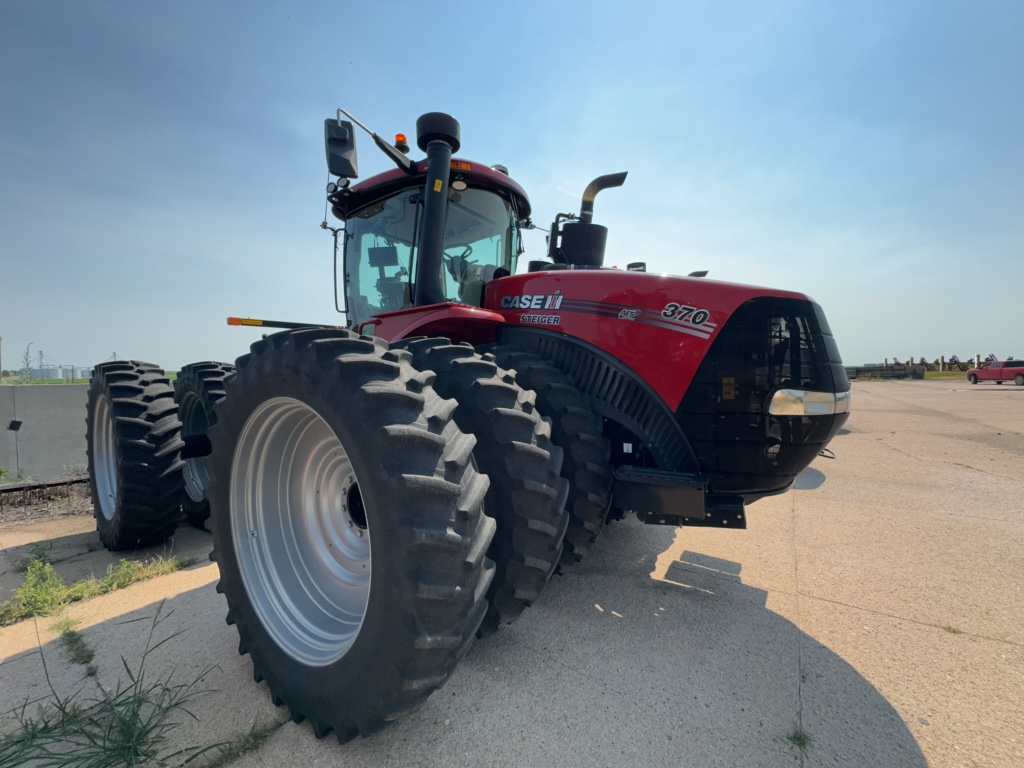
{"type": "Point", "coordinates": [481, 243]}
{"type": "Point", "coordinates": [390, 258]}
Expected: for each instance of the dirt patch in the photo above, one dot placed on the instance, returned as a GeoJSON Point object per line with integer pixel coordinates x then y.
{"type": "Point", "coordinates": [33, 504]}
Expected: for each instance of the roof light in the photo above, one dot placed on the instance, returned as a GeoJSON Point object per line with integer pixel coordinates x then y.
{"type": "Point", "coordinates": [461, 165]}
{"type": "Point", "coordinates": [402, 143]}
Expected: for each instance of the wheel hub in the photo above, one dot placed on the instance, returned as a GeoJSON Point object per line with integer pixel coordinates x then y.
{"type": "Point", "coordinates": [194, 421]}
{"type": "Point", "coordinates": [300, 531]}
{"type": "Point", "coordinates": [105, 458]}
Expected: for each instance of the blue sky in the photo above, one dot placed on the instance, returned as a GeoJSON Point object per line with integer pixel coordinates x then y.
{"type": "Point", "coordinates": [162, 166]}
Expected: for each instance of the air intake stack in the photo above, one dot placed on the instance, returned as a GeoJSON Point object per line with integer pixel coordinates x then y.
{"type": "Point", "coordinates": [581, 243]}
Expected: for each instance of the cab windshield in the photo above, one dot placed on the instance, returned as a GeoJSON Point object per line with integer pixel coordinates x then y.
{"type": "Point", "coordinates": [481, 243]}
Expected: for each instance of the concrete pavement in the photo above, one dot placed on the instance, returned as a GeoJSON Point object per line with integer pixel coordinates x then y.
{"type": "Point", "coordinates": [879, 607]}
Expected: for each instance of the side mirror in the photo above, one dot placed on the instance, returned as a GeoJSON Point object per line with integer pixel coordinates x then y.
{"type": "Point", "coordinates": [340, 143]}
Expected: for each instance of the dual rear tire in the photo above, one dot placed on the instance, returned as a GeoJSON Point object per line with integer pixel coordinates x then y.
{"type": "Point", "coordinates": [137, 424]}
{"type": "Point", "coordinates": [133, 446]}
{"type": "Point", "coordinates": [577, 430]}
{"type": "Point", "coordinates": [198, 388]}
{"type": "Point", "coordinates": [514, 448]}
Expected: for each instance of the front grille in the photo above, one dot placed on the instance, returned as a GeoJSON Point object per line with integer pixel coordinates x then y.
{"type": "Point", "coordinates": [768, 344]}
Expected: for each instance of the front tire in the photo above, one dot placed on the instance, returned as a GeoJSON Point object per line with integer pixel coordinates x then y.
{"type": "Point", "coordinates": [514, 448]}
{"type": "Point", "coordinates": [348, 527]}
{"type": "Point", "coordinates": [133, 445]}
{"type": "Point", "coordinates": [973, 379]}
{"type": "Point", "coordinates": [197, 389]}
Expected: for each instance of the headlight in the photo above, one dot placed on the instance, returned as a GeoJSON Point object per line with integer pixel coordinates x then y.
{"type": "Point", "coordinates": [802, 402]}
{"type": "Point", "coordinates": [842, 402]}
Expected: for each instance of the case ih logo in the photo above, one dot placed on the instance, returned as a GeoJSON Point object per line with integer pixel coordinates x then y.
{"type": "Point", "coordinates": [629, 314]}
{"type": "Point", "coordinates": [536, 301]}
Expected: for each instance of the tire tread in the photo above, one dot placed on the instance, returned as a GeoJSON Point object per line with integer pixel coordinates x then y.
{"type": "Point", "coordinates": [147, 449]}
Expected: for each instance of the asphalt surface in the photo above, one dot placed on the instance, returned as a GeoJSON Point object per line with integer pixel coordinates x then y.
{"type": "Point", "coordinates": [878, 608]}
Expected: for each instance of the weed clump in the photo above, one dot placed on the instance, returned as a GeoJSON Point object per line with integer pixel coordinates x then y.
{"type": "Point", "coordinates": [129, 726]}
{"type": "Point", "coordinates": [799, 738]}
{"type": "Point", "coordinates": [44, 593]}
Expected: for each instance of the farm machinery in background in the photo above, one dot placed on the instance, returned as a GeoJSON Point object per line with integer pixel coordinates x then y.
{"type": "Point", "coordinates": [380, 495]}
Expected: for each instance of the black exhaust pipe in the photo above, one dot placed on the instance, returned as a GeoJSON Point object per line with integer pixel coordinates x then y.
{"type": "Point", "coordinates": [601, 182]}
{"type": "Point", "coordinates": [437, 134]}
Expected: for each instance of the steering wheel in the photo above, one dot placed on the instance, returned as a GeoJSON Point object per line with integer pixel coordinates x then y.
{"type": "Point", "coordinates": [458, 265]}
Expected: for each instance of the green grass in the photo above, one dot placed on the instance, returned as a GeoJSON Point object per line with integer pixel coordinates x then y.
{"type": "Point", "coordinates": [128, 726]}
{"type": "Point", "coordinates": [79, 651]}
{"type": "Point", "coordinates": [14, 381]}
{"type": "Point", "coordinates": [65, 624]}
{"type": "Point", "coordinates": [928, 376]}
{"type": "Point", "coordinates": [5, 476]}
{"type": "Point", "coordinates": [44, 593]}
{"type": "Point", "coordinates": [257, 736]}
{"type": "Point", "coordinates": [944, 375]}
{"type": "Point", "coordinates": [953, 630]}
{"type": "Point", "coordinates": [799, 738]}
{"type": "Point", "coordinates": [40, 553]}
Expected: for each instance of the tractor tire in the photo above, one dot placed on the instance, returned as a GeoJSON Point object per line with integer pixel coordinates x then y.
{"type": "Point", "coordinates": [1019, 379]}
{"type": "Point", "coordinates": [348, 526]}
{"type": "Point", "coordinates": [197, 389]}
{"type": "Point", "coordinates": [973, 379]}
{"type": "Point", "coordinates": [576, 429]}
{"type": "Point", "coordinates": [133, 445]}
{"type": "Point", "coordinates": [514, 448]}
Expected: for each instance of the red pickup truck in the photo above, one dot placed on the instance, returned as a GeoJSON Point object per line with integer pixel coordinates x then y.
{"type": "Point", "coordinates": [1008, 370]}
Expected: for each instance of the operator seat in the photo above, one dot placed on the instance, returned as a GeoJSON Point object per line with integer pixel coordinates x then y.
{"type": "Point", "coordinates": [471, 290]}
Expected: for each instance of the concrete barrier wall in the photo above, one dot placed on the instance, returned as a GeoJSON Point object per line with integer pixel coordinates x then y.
{"type": "Point", "coordinates": [49, 442]}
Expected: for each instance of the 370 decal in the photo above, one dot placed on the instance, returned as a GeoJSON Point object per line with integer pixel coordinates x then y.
{"type": "Point", "coordinates": [685, 314]}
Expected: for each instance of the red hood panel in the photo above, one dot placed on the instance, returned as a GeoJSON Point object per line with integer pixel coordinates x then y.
{"type": "Point", "coordinates": [660, 326]}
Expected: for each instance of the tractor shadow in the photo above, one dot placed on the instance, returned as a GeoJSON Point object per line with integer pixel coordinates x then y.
{"type": "Point", "coordinates": [609, 667]}
{"type": "Point", "coordinates": [809, 479]}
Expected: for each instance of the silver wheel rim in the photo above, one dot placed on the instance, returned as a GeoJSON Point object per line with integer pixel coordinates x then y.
{"type": "Point", "coordinates": [104, 457]}
{"type": "Point", "coordinates": [300, 536]}
{"type": "Point", "coordinates": [194, 421]}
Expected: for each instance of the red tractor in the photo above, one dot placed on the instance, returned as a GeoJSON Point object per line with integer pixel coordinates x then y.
{"type": "Point", "coordinates": [382, 494]}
